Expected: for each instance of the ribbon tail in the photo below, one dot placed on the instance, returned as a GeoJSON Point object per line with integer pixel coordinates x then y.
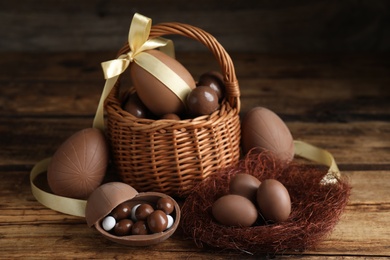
{"type": "Point", "coordinates": [98, 121]}
{"type": "Point", "coordinates": [74, 207]}
{"type": "Point", "coordinates": [318, 155]}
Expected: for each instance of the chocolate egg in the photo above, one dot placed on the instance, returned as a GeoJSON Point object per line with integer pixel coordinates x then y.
{"type": "Point", "coordinates": [273, 200]}
{"type": "Point", "coordinates": [139, 228]}
{"type": "Point", "coordinates": [79, 164]}
{"type": "Point", "coordinates": [202, 101]}
{"type": "Point", "coordinates": [166, 205]}
{"type": "Point", "coordinates": [134, 106]}
{"type": "Point", "coordinates": [122, 211]}
{"type": "Point", "coordinates": [214, 80]}
{"type": "Point", "coordinates": [143, 211]}
{"type": "Point", "coordinates": [263, 128]}
{"type": "Point", "coordinates": [170, 117]}
{"type": "Point", "coordinates": [156, 96]}
{"type": "Point", "coordinates": [245, 185]}
{"type": "Point", "coordinates": [157, 221]}
{"type": "Point", "coordinates": [109, 195]}
{"type": "Point", "coordinates": [123, 227]}
{"type": "Point", "coordinates": [234, 210]}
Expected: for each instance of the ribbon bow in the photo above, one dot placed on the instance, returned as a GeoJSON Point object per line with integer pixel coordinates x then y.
{"type": "Point", "coordinates": [138, 42]}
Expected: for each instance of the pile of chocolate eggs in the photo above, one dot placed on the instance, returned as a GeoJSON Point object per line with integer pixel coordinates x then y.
{"type": "Point", "coordinates": [203, 99]}
{"type": "Point", "coordinates": [249, 199]}
{"type": "Point", "coordinates": [140, 219]}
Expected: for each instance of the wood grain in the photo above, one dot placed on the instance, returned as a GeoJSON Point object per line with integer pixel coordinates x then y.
{"type": "Point", "coordinates": [261, 26]}
{"type": "Point", "coordinates": [337, 102]}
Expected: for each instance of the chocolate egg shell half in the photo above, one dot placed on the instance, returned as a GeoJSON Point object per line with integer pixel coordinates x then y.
{"type": "Point", "coordinates": [108, 196]}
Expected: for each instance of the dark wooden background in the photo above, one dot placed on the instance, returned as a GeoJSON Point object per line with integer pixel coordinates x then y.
{"type": "Point", "coordinates": [260, 26]}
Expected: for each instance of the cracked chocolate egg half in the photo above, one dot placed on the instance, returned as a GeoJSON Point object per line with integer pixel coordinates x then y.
{"type": "Point", "coordinates": [109, 196]}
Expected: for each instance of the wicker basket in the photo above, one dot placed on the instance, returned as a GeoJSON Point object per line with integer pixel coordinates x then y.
{"type": "Point", "coordinates": [172, 156]}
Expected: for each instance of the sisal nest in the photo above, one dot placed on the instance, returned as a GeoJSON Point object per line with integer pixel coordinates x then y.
{"type": "Point", "coordinates": [316, 208]}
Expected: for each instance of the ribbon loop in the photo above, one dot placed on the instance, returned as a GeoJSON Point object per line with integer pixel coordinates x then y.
{"type": "Point", "coordinates": [138, 42]}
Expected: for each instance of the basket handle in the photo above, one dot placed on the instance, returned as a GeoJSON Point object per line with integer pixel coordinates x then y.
{"type": "Point", "coordinates": [220, 54]}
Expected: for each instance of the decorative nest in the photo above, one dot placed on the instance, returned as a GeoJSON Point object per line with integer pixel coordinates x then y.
{"type": "Point", "coordinates": [316, 208]}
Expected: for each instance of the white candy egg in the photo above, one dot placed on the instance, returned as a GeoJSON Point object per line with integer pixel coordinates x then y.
{"type": "Point", "coordinates": [108, 223]}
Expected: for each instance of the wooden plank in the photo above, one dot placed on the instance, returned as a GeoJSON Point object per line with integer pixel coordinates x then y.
{"type": "Point", "coordinates": [25, 141]}
{"type": "Point", "coordinates": [29, 227]}
{"type": "Point", "coordinates": [71, 84]}
{"type": "Point", "coordinates": [251, 26]}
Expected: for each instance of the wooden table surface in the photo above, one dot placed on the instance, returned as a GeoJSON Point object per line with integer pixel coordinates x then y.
{"type": "Point", "coordinates": [338, 102]}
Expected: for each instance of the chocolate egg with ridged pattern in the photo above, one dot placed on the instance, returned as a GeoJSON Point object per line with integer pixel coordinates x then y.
{"type": "Point", "coordinates": [79, 165]}
{"type": "Point", "coordinates": [264, 129]}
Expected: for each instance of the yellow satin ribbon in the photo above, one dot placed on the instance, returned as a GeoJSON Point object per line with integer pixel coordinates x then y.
{"type": "Point", "coordinates": [138, 42]}
{"type": "Point", "coordinates": [76, 207]}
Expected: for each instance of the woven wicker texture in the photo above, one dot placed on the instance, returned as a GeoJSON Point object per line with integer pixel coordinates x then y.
{"type": "Point", "coordinates": [172, 156]}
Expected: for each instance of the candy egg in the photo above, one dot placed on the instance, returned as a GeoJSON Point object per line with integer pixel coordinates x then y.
{"type": "Point", "coordinates": [108, 223]}
{"type": "Point", "coordinates": [139, 228]}
{"type": "Point", "coordinates": [166, 205]}
{"type": "Point", "coordinates": [214, 80]}
{"type": "Point", "coordinates": [273, 200]}
{"type": "Point", "coordinates": [170, 221]}
{"type": "Point", "coordinates": [245, 185]}
{"type": "Point", "coordinates": [157, 221]}
{"type": "Point", "coordinates": [123, 227]}
{"type": "Point", "coordinates": [143, 211]}
{"type": "Point", "coordinates": [156, 96]}
{"type": "Point", "coordinates": [79, 165]}
{"type": "Point", "coordinates": [122, 211]}
{"type": "Point", "coordinates": [134, 106]}
{"type": "Point", "coordinates": [263, 128]}
{"type": "Point", "coordinates": [202, 101]}
{"type": "Point", "coordinates": [234, 210]}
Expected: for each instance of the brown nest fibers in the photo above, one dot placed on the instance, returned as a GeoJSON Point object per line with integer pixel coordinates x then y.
{"type": "Point", "coordinates": [316, 208]}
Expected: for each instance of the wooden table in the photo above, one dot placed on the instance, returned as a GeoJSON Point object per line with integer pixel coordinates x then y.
{"type": "Point", "coordinates": [338, 102]}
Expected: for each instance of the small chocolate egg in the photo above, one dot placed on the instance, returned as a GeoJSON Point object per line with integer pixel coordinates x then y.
{"type": "Point", "coordinates": [134, 106]}
{"type": "Point", "coordinates": [123, 227]}
{"type": "Point", "coordinates": [156, 96]}
{"type": "Point", "coordinates": [202, 101]}
{"type": "Point", "coordinates": [122, 211]}
{"type": "Point", "coordinates": [273, 200]}
{"type": "Point", "coordinates": [214, 80]}
{"type": "Point", "coordinates": [143, 211]}
{"type": "Point", "coordinates": [234, 210]}
{"type": "Point", "coordinates": [263, 128]}
{"type": "Point", "coordinates": [165, 204]}
{"type": "Point", "coordinates": [79, 165]}
{"type": "Point", "coordinates": [139, 228]}
{"type": "Point", "coordinates": [170, 116]}
{"type": "Point", "coordinates": [245, 185]}
{"type": "Point", "coordinates": [157, 221]}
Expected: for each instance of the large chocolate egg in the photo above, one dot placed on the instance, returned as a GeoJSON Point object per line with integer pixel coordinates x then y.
{"type": "Point", "coordinates": [245, 185]}
{"type": "Point", "coordinates": [234, 210]}
{"type": "Point", "coordinates": [156, 96]}
{"type": "Point", "coordinates": [79, 165]}
{"type": "Point", "coordinates": [274, 200]}
{"type": "Point", "coordinates": [263, 128]}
